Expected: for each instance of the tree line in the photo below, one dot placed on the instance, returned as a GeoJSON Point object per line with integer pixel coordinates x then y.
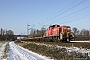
{"type": "Point", "coordinates": [74, 30]}
{"type": "Point", "coordinates": [82, 34]}
{"type": "Point", "coordinates": [37, 32]}
{"type": "Point", "coordinates": [6, 34]}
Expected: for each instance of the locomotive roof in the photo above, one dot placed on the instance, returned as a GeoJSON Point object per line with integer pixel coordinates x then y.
{"type": "Point", "coordinates": [54, 26]}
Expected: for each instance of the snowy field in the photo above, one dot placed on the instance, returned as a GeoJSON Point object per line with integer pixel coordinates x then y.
{"type": "Point", "coordinates": [76, 49]}
{"type": "Point", "coordinates": [2, 47]}
{"type": "Point", "coordinates": [69, 49]}
{"type": "Point", "coordinates": [19, 53]}
{"type": "Point", "coordinates": [1, 43]}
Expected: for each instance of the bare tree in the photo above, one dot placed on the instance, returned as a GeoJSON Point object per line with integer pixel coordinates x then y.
{"type": "Point", "coordinates": [33, 31]}
{"type": "Point", "coordinates": [75, 31]}
{"type": "Point", "coordinates": [43, 30]}
{"type": "Point", "coordinates": [38, 32]}
{"type": "Point", "coordinates": [84, 32]}
{"type": "Point", "coordinates": [1, 32]}
{"type": "Point", "coordinates": [9, 32]}
{"type": "Point", "coordinates": [6, 34]}
{"type": "Point", "coordinates": [89, 32]}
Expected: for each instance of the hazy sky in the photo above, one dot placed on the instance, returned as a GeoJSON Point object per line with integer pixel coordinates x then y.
{"type": "Point", "coordinates": [15, 14]}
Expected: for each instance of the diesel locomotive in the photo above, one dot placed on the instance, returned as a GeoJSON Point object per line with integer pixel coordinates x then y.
{"type": "Point", "coordinates": [59, 33]}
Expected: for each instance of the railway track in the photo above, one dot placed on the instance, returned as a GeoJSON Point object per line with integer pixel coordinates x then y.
{"type": "Point", "coordinates": [81, 44]}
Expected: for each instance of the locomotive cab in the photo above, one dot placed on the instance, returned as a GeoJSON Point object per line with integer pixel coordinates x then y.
{"type": "Point", "coordinates": [65, 33]}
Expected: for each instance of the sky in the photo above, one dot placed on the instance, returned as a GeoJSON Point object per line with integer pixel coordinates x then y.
{"type": "Point", "coordinates": [15, 14]}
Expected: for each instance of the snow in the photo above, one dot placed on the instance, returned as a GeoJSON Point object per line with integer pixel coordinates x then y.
{"type": "Point", "coordinates": [19, 53]}
{"type": "Point", "coordinates": [69, 49]}
{"type": "Point", "coordinates": [80, 41]}
{"type": "Point", "coordinates": [75, 49]}
{"type": "Point", "coordinates": [2, 50]}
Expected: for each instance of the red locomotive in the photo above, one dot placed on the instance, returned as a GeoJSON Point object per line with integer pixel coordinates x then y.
{"type": "Point", "coordinates": [59, 33]}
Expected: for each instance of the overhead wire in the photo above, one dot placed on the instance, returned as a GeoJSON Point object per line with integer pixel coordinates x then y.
{"type": "Point", "coordinates": [73, 13]}
{"type": "Point", "coordinates": [81, 17]}
{"type": "Point", "coordinates": [85, 15]}
{"type": "Point", "coordinates": [61, 10]}
{"type": "Point", "coordinates": [76, 16]}
{"type": "Point", "coordinates": [65, 11]}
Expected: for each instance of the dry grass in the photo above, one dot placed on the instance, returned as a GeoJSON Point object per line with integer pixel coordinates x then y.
{"type": "Point", "coordinates": [53, 52]}
{"type": "Point", "coordinates": [79, 45]}
{"type": "Point", "coordinates": [5, 52]}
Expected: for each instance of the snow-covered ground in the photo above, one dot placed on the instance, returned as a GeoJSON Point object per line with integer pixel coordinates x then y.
{"type": "Point", "coordinates": [75, 49]}
{"type": "Point", "coordinates": [69, 49]}
{"type": "Point", "coordinates": [2, 50]}
{"type": "Point", "coordinates": [80, 41]}
{"type": "Point", "coordinates": [19, 53]}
